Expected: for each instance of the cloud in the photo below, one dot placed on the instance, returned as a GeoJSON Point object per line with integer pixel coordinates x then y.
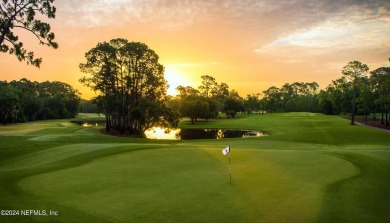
{"type": "Point", "coordinates": [336, 33]}
{"type": "Point", "coordinates": [355, 28]}
{"type": "Point", "coordinates": [267, 18]}
{"type": "Point", "coordinates": [266, 27]}
{"type": "Point", "coordinates": [101, 13]}
{"type": "Point", "coordinates": [89, 14]}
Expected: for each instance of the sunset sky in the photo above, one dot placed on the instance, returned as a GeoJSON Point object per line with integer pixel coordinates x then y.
{"type": "Point", "coordinates": [248, 44]}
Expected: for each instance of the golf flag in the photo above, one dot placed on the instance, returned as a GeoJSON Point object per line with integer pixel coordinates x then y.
{"type": "Point", "coordinates": [226, 150]}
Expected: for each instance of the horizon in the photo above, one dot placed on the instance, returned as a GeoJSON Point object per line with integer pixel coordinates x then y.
{"type": "Point", "coordinates": [250, 45]}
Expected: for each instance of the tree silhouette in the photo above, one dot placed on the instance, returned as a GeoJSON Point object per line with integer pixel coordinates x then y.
{"type": "Point", "coordinates": [380, 79]}
{"type": "Point", "coordinates": [24, 100]}
{"type": "Point", "coordinates": [21, 15]}
{"type": "Point", "coordinates": [131, 84]}
{"type": "Point", "coordinates": [208, 86]}
{"type": "Point", "coordinates": [354, 71]}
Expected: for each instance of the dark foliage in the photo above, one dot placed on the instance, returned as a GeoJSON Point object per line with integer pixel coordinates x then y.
{"type": "Point", "coordinates": [22, 15]}
{"type": "Point", "coordinates": [23, 100]}
{"type": "Point", "coordinates": [131, 86]}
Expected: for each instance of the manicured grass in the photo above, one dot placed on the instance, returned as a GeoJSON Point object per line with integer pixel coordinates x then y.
{"type": "Point", "coordinates": [312, 168]}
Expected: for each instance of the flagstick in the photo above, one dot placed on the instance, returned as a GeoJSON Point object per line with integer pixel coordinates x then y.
{"type": "Point", "coordinates": [224, 152]}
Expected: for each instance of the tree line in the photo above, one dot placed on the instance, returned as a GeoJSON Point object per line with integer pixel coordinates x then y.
{"type": "Point", "coordinates": [211, 99]}
{"type": "Point", "coordinates": [357, 91]}
{"type": "Point", "coordinates": [295, 97]}
{"type": "Point", "coordinates": [24, 100]}
{"type": "Point", "coordinates": [206, 102]}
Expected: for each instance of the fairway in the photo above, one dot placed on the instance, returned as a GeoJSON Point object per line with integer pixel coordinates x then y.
{"type": "Point", "coordinates": [311, 168]}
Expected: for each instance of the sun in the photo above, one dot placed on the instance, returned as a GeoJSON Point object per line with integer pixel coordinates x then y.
{"type": "Point", "coordinates": [175, 77]}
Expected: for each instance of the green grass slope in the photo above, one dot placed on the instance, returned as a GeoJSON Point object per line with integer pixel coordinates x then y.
{"type": "Point", "coordinates": [312, 168]}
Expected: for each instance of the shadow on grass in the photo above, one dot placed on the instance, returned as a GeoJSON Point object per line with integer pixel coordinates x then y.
{"type": "Point", "coordinates": [363, 197]}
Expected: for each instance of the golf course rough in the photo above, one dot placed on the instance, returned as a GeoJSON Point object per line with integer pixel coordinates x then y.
{"type": "Point", "coordinates": [312, 168]}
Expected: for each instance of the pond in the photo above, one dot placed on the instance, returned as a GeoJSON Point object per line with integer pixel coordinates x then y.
{"type": "Point", "coordinates": [188, 134]}
{"type": "Point", "coordinates": [90, 123]}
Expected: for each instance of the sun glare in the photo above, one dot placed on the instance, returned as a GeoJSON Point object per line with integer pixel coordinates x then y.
{"type": "Point", "coordinates": [175, 78]}
{"type": "Point", "coordinates": [161, 133]}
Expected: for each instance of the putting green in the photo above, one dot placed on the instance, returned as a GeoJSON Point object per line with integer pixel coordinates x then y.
{"type": "Point", "coordinates": [176, 183]}
{"type": "Point", "coordinates": [313, 168]}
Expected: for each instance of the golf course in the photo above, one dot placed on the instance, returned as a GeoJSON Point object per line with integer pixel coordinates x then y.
{"type": "Point", "coordinates": [310, 168]}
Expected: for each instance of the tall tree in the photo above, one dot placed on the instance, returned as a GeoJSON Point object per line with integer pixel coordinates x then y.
{"type": "Point", "coordinates": [252, 103]}
{"type": "Point", "coordinates": [220, 94]}
{"type": "Point", "coordinates": [366, 97]}
{"type": "Point", "coordinates": [195, 107]}
{"type": "Point", "coordinates": [186, 91]}
{"type": "Point", "coordinates": [271, 99]}
{"type": "Point", "coordinates": [131, 84]}
{"type": "Point", "coordinates": [208, 86]}
{"type": "Point", "coordinates": [324, 103]}
{"type": "Point", "coordinates": [20, 14]}
{"type": "Point", "coordinates": [354, 71]}
{"type": "Point", "coordinates": [30, 102]}
{"type": "Point", "coordinates": [380, 79]}
{"type": "Point", "coordinates": [340, 95]}
{"type": "Point", "coordinates": [287, 92]}
{"type": "Point", "coordinates": [9, 103]}
{"type": "Point", "coordinates": [232, 106]}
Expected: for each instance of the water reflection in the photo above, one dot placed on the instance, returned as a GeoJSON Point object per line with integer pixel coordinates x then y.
{"type": "Point", "coordinates": [177, 134]}
{"type": "Point", "coordinates": [86, 124]}
{"type": "Point", "coordinates": [90, 123]}
{"type": "Point", "coordinates": [160, 133]}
